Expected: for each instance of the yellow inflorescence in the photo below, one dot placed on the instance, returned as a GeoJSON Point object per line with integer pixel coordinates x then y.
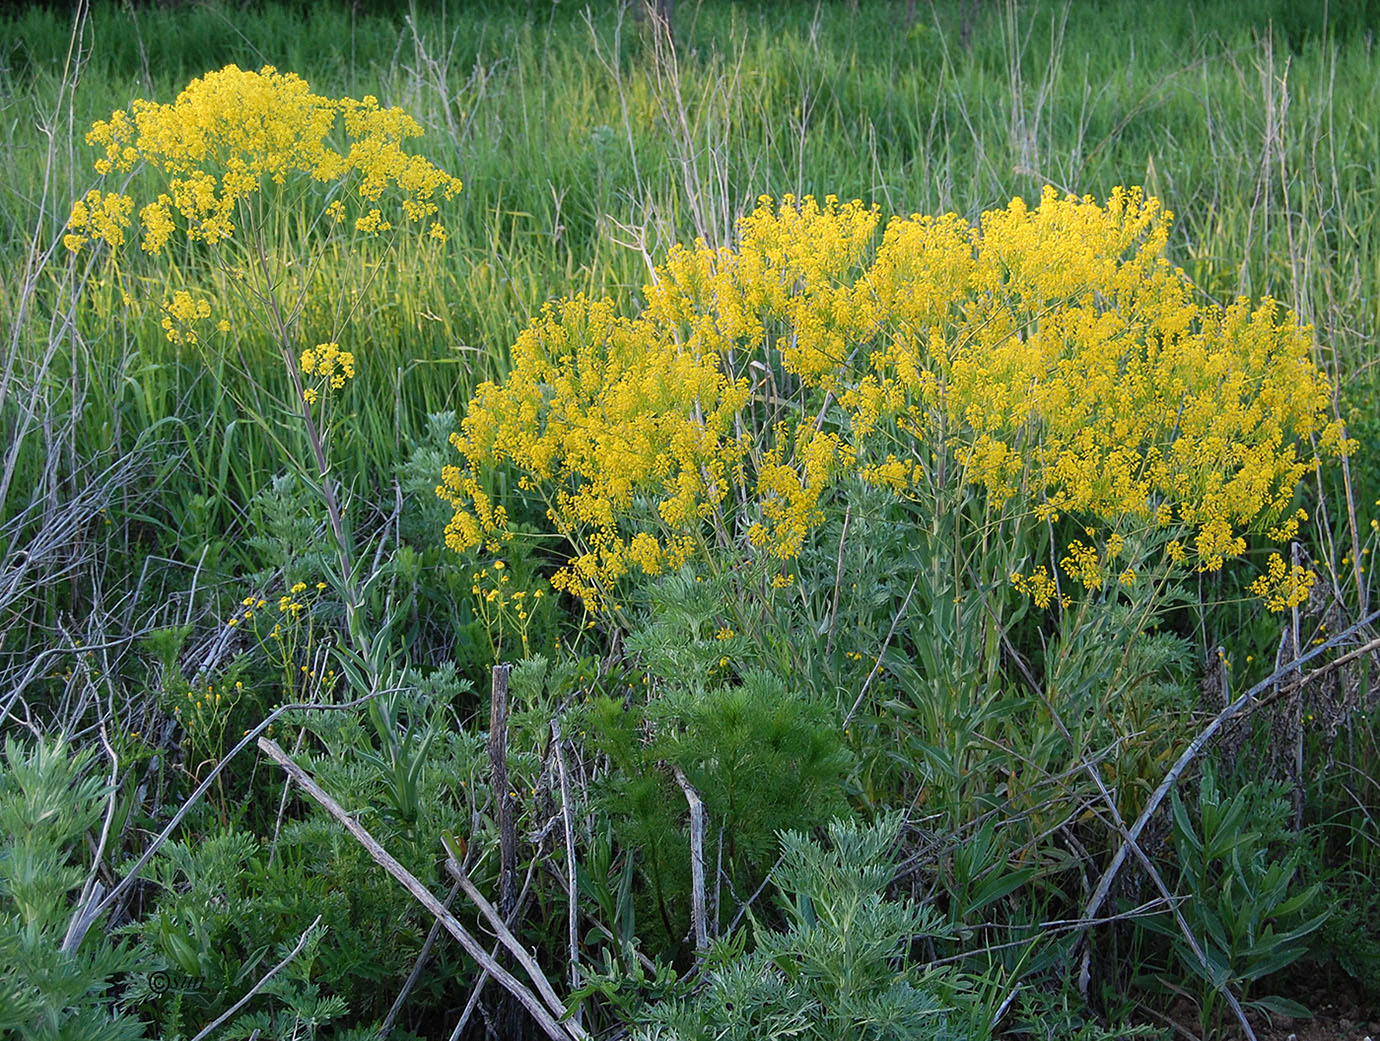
{"type": "Point", "coordinates": [181, 314]}
{"type": "Point", "coordinates": [1039, 585]}
{"type": "Point", "coordinates": [230, 132]}
{"type": "Point", "coordinates": [1051, 355]}
{"type": "Point", "coordinates": [327, 362]}
{"type": "Point", "coordinates": [99, 215]}
{"type": "Point", "coordinates": [329, 367]}
{"type": "Point", "coordinates": [1283, 585]}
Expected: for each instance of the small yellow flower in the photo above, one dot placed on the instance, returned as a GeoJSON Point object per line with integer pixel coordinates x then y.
{"type": "Point", "coordinates": [1283, 586]}
{"type": "Point", "coordinates": [373, 223]}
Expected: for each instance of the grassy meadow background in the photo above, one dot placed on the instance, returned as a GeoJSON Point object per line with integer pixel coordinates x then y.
{"type": "Point", "coordinates": [142, 502]}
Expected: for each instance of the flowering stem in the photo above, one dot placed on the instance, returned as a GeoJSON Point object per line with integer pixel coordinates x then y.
{"type": "Point", "coordinates": [327, 488]}
{"type": "Point", "coordinates": [281, 324]}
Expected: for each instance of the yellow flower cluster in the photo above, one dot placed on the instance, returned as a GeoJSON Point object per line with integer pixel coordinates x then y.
{"type": "Point", "coordinates": [1050, 355]}
{"type": "Point", "coordinates": [1283, 585]}
{"type": "Point", "coordinates": [100, 215]}
{"type": "Point", "coordinates": [205, 715]}
{"type": "Point", "coordinates": [206, 705]}
{"type": "Point", "coordinates": [230, 132]}
{"type": "Point", "coordinates": [181, 314]}
{"type": "Point", "coordinates": [329, 365]}
{"type": "Point", "coordinates": [292, 642]}
{"type": "Point", "coordinates": [502, 607]}
{"type": "Point", "coordinates": [1039, 585]}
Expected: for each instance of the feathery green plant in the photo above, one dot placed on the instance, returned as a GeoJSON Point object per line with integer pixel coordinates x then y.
{"type": "Point", "coordinates": [57, 983]}
{"type": "Point", "coordinates": [843, 966]}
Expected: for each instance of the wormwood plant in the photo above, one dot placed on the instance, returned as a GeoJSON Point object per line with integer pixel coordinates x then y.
{"type": "Point", "coordinates": [209, 934]}
{"type": "Point", "coordinates": [841, 968]}
{"type": "Point", "coordinates": [50, 802]}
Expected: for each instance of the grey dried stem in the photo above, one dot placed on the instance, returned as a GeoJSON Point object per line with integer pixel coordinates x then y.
{"type": "Point", "coordinates": [547, 1011]}
{"type": "Point", "coordinates": [699, 919]}
{"type": "Point", "coordinates": [50, 496]}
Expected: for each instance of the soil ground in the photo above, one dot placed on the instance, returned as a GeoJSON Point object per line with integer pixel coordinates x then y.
{"type": "Point", "coordinates": [1339, 1014]}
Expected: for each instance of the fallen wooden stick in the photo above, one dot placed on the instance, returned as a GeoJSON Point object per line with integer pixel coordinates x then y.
{"type": "Point", "coordinates": [544, 1017]}
{"type": "Point", "coordinates": [504, 934]}
{"type": "Point", "coordinates": [697, 900]}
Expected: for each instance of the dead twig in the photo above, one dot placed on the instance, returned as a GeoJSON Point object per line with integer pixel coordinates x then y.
{"type": "Point", "coordinates": [544, 1017]}
{"type": "Point", "coordinates": [572, 875]}
{"type": "Point", "coordinates": [697, 903]}
{"type": "Point", "coordinates": [505, 936]}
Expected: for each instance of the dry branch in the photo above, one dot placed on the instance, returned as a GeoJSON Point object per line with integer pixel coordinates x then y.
{"type": "Point", "coordinates": [550, 1025]}
{"type": "Point", "coordinates": [697, 901]}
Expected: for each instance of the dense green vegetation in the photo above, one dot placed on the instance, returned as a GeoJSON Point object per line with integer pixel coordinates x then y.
{"type": "Point", "coordinates": [873, 788]}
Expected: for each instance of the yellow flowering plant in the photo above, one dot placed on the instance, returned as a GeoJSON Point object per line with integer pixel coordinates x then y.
{"type": "Point", "coordinates": [1050, 357]}
{"type": "Point", "coordinates": [287, 630]}
{"type": "Point", "coordinates": [203, 708]}
{"type": "Point", "coordinates": [241, 186]}
{"type": "Point", "coordinates": [204, 716]}
{"type": "Point", "coordinates": [504, 606]}
{"type": "Point", "coordinates": [233, 134]}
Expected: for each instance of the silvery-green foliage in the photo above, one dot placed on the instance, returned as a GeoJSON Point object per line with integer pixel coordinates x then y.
{"type": "Point", "coordinates": [842, 967]}
{"type": "Point", "coordinates": [50, 801]}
